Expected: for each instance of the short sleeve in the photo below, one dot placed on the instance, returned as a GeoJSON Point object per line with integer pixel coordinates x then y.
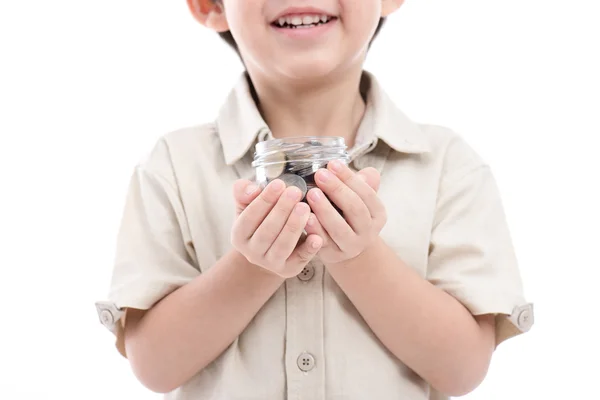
{"type": "Point", "coordinates": [472, 256]}
{"type": "Point", "coordinates": [154, 255]}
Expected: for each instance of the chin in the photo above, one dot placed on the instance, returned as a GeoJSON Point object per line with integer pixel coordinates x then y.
{"type": "Point", "coordinates": [308, 69]}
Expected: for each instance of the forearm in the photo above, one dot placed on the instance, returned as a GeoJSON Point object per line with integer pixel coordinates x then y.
{"type": "Point", "coordinates": [192, 326]}
{"type": "Point", "coordinates": [426, 328]}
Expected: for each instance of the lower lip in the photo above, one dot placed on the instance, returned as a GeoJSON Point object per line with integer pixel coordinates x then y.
{"type": "Point", "coordinates": [306, 33]}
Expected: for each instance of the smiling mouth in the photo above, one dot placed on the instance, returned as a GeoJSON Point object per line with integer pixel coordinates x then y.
{"type": "Point", "coordinates": [302, 21]}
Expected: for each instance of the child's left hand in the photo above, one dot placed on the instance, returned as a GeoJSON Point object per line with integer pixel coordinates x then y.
{"type": "Point", "coordinates": [346, 237]}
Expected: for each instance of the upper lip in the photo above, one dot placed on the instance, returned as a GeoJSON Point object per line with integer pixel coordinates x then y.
{"type": "Point", "coordinates": [302, 10]}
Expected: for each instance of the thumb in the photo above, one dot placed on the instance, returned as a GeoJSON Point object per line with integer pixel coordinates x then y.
{"type": "Point", "coordinates": [371, 176]}
{"type": "Point", "coordinates": [244, 192]}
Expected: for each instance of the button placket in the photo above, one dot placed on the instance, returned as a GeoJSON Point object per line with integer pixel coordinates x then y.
{"type": "Point", "coordinates": [304, 333]}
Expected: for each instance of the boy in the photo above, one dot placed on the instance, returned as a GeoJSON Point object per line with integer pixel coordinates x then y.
{"type": "Point", "coordinates": [405, 297]}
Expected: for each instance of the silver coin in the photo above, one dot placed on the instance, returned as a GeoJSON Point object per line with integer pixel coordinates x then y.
{"type": "Point", "coordinates": [294, 180]}
{"type": "Point", "coordinates": [276, 166]}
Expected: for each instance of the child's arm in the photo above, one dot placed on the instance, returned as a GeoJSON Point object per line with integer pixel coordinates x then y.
{"type": "Point", "coordinates": [425, 327]}
{"type": "Point", "coordinates": [441, 325]}
{"type": "Point", "coordinates": [189, 328]}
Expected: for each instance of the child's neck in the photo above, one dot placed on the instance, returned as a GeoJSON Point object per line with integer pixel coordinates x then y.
{"type": "Point", "coordinates": [330, 108]}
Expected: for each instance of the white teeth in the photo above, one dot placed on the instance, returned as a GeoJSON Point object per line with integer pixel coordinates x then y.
{"type": "Point", "coordinates": [300, 21]}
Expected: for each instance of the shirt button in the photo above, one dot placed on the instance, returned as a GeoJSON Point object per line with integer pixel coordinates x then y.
{"type": "Point", "coordinates": [307, 273]}
{"type": "Point", "coordinates": [522, 317]}
{"type": "Point", "coordinates": [306, 362]}
{"type": "Point", "coordinates": [107, 318]}
{"type": "Point", "coordinates": [525, 320]}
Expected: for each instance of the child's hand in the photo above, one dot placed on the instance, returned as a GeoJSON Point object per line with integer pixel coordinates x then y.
{"type": "Point", "coordinates": [364, 214]}
{"type": "Point", "coordinates": [269, 225]}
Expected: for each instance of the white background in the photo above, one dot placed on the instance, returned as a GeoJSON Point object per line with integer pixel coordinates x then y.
{"type": "Point", "coordinates": [86, 88]}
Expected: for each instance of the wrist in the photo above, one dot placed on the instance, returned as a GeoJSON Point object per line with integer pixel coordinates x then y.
{"type": "Point", "coordinates": [239, 259]}
{"type": "Point", "coordinates": [363, 258]}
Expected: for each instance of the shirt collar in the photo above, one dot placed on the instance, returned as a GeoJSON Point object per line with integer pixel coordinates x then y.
{"type": "Point", "coordinates": [240, 124]}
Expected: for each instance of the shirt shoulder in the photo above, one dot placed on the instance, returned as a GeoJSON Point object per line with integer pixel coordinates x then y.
{"type": "Point", "coordinates": [450, 151]}
{"type": "Point", "coordinates": [195, 147]}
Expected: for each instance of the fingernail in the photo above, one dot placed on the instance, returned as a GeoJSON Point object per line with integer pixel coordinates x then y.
{"type": "Point", "coordinates": [301, 208]}
{"type": "Point", "coordinates": [316, 194]}
{"type": "Point", "coordinates": [294, 193]}
{"type": "Point", "coordinates": [277, 185]}
{"type": "Point", "coordinates": [251, 188]}
{"type": "Point", "coordinates": [324, 175]}
{"type": "Point", "coordinates": [336, 165]}
{"type": "Point", "coordinates": [315, 244]}
{"type": "Point", "coordinates": [311, 220]}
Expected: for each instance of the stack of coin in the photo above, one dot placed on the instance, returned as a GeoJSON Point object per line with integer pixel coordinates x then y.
{"type": "Point", "coordinates": [295, 162]}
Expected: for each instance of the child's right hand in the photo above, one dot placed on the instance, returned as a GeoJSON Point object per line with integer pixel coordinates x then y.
{"type": "Point", "coordinates": [269, 225]}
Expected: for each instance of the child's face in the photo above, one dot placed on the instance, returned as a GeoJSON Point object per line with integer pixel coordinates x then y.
{"type": "Point", "coordinates": [271, 45]}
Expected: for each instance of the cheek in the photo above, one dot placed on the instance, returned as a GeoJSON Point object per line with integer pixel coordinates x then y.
{"type": "Point", "coordinates": [246, 30]}
{"type": "Point", "coordinates": [361, 22]}
{"type": "Point", "coordinates": [366, 10]}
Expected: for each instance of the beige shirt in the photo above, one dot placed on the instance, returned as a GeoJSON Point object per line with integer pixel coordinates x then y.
{"type": "Point", "coordinates": [445, 220]}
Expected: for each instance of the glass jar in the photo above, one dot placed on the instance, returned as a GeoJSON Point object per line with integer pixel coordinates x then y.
{"type": "Point", "coordinates": [295, 160]}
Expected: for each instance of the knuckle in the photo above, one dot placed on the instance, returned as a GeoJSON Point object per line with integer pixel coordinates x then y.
{"type": "Point", "coordinates": [283, 207]}
{"type": "Point", "coordinates": [338, 189]}
{"type": "Point", "coordinates": [271, 233]}
{"type": "Point", "coordinates": [338, 232]}
{"type": "Point", "coordinates": [354, 209]}
{"type": "Point", "coordinates": [372, 197]}
{"type": "Point", "coordinates": [293, 226]}
{"type": "Point", "coordinates": [266, 234]}
{"type": "Point", "coordinates": [304, 256]}
{"type": "Point", "coordinates": [276, 255]}
{"type": "Point", "coordinates": [267, 198]}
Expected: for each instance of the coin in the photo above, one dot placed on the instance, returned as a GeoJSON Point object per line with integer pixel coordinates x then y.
{"type": "Point", "coordinates": [314, 142]}
{"type": "Point", "coordinates": [276, 166]}
{"type": "Point", "coordinates": [294, 180]}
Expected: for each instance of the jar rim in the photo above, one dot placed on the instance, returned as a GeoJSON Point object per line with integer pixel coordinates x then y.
{"type": "Point", "coordinates": [335, 141]}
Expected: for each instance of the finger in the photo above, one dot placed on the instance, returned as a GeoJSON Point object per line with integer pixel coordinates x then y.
{"type": "Point", "coordinates": [244, 192]}
{"type": "Point", "coordinates": [360, 187]}
{"type": "Point", "coordinates": [254, 214]}
{"type": "Point", "coordinates": [304, 252]}
{"type": "Point", "coordinates": [314, 227]}
{"type": "Point", "coordinates": [332, 222]}
{"type": "Point", "coordinates": [371, 176]}
{"type": "Point", "coordinates": [355, 211]}
{"type": "Point", "coordinates": [273, 223]}
{"type": "Point", "coordinates": [286, 241]}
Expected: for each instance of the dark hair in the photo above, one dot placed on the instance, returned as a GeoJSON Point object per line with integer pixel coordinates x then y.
{"type": "Point", "coordinates": [228, 37]}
